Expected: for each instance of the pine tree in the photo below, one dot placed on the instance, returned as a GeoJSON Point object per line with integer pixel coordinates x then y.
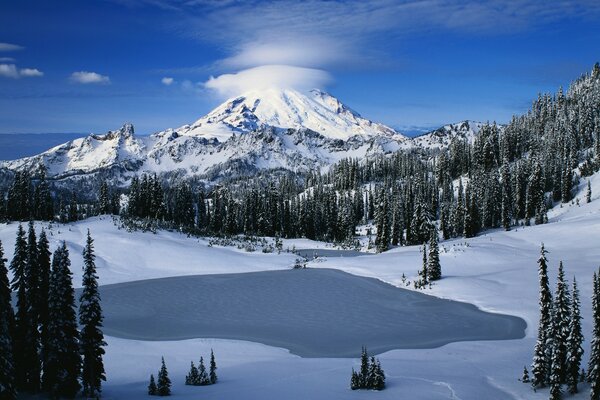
{"type": "Point", "coordinates": [574, 342]}
{"type": "Point", "coordinates": [434, 269]}
{"type": "Point", "coordinates": [43, 292]}
{"type": "Point", "coordinates": [364, 368]}
{"type": "Point", "coordinates": [588, 193]}
{"type": "Point", "coordinates": [192, 377]}
{"type": "Point", "coordinates": [354, 380]}
{"type": "Point", "coordinates": [213, 368]}
{"type": "Point", "coordinates": [163, 387]}
{"type": "Point", "coordinates": [540, 367]}
{"type": "Point", "coordinates": [90, 320]}
{"type": "Point", "coordinates": [7, 367]}
{"type": "Point", "coordinates": [63, 361]}
{"type": "Point", "coordinates": [379, 377]}
{"type": "Point", "coordinates": [18, 266]}
{"type": "Point", "coordinates": [424, 280]}
{"type": "Point", "coordinates": [560, 327]}
{"type": "Point", "coordinates": [525, 376]}
{"type": "Point", "coordinates": [152, 389]}
{"type": "Point", "coordinates": [594, 362]}
{"type": "Point", "coordinates": [31, 348]}
{"type": "Point", "coordinates": [202, 375]}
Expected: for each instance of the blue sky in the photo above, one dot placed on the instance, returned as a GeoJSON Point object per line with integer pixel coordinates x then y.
{"type": "Point", "coordinates": [90, 66]}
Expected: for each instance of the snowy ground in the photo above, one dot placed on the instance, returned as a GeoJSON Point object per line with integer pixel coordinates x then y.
{"type": "Point", "coordinates": [496, 271]}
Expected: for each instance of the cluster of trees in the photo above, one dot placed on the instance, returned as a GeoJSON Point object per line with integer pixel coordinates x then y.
{"type": "Point", "coordinates": [199, 376]}
{"type": "Point", "coordinates": [196, 377]}
{"type": "Point", "coordinates": [370, 375]}
{"type": "Point", "coordinates": [558, 350]}
{"type": "Point", "coordinates": [41, 347]}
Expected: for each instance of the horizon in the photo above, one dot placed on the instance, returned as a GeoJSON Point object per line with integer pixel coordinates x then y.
{"type": "Point", "coordinates": [414, 66]}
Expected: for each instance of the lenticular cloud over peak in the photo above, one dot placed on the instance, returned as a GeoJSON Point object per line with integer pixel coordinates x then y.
{"type": "Point", "coordinates": [268, 76]}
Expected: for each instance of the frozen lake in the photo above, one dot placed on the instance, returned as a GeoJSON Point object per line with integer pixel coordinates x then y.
{"type": "Point", "coordinates": [311, 253]}
{"type": "Point", "coordinates": [311, 312]}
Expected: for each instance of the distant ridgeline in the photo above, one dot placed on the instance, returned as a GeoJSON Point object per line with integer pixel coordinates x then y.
{"type": "Point", "coordinates": [504, 176]}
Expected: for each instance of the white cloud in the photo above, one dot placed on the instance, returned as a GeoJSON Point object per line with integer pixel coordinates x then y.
{"type": "Point", "coordinates": [267, 76]}
{"type": "Point", "coordinates": [167, 81]}
{"type": "Point", "coordinates": [10, 47]}
{"type": "Point", "coordinates": [9, 71]}
{"type": "Point", "coordinates": [86, 77]}
{"type": "Point", "coordinates": [31, 72]}
{"type": "Point", "coordinates": [7, 59]}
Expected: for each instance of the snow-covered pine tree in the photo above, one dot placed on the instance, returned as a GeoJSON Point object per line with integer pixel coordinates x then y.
{"type": "Point", "coordinates": [63, 361]}
{"type": "Point", "coordinates": [372, 374]}
{"type": "Point", "coordinates": [560, 326]}
{"type": "Point", "coordinates": [588, 193]}
{"type": "Point", "coordinates": [574, 342]}
{"type": "Point", "coordinates": [192, 376]}
{"type": "Point", "coordinates": [363, 374]}
{"type": "Point", "coordinates": [379, 377]}
{"type": "Point", "coordinates": [31, 348]}
{"type": "Point", "coordinates": [90, 320]}
{"type": "Point", "coordinates": [540, 367]}
{"type": "Point", "coordinates": [424, 278]}
{"type": "Point", "coordinates": [212, 375]}
{"type": "Point", "coordinates": [8, 390]}
{"type": "Point", "coordinates": [525, 376]}
{"type": "Point", "coordinates": [163, 387]}
{"type": "Point", "coordinates": [152, 389]}
{"type": "Point", "coordinates": [434, 269]}
{"type": "Point", "coordinates": [18, 266]}
{"type": "Point", "coordinates": [594, 361]}
{"type": "Point", "coordinates": [43, 292]}
{"type": "Point", "coordinates": [354, 380]}
{"type": "Point", "coordinates": [203, 378]}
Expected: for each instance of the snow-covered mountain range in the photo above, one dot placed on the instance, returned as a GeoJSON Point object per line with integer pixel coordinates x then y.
{"type": "Point", "coordinates": [269, 129]}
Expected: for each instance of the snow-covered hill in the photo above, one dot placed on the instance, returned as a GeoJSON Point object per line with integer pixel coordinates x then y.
{"type": "Point", "coordinates": [268, 129]}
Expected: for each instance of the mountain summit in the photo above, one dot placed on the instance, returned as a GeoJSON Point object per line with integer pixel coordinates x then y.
{"type": "Point", "coordinates": [285, 109]}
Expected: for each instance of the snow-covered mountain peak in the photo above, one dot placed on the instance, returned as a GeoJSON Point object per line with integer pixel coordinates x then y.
{"type": "Point", "coordinates": [284, 109]}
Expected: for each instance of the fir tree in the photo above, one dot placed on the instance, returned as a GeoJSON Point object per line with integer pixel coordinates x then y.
{"type": "Point", "coordinates": [424, 278]}
{"type": "Point", "coordinates": [18, 266]}
{"type": "Point", "coordinates": [192, 377]}
{"type": "Point", "coordinates": [594, 362]}
{"type": "Point", "coordinates": [90, 320]}
{"type": "Point", "coordinates": [574, 342]}
{"type": "Point", "coordinates": [163, 387]}
{"type": "Point", "coordinates": [43, 292]}
{"type": "Point", "coordinates": [560, 328]}
{"type": "Point", "coordinates": [588, 193]}
{"type": "Point", "coordinates": [525, 376]}
{"type": "Point", "coordinates": [354, 380]}
{"type": "Point", "coordinates": [63, 361]}
{"type": "Point", "coordinates": [152, 389]}
{"type": "Point", "coordinates": [31, 348]}
{"type": "Point", "coordinates": [213, 369]}
{"type": "Point", "coordinates": [203, 378]}
{"type": "Point", "coordinates": [364, 368]}
{"type": "Point", "coordinates": [7, 368]}
{"type": "Point", "coordinates": [434, 269]}
{"type": "Point", "coordinates": [540, 367]}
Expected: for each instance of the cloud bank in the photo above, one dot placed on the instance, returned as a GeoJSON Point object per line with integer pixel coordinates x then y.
{"type": "Point", "coordinates": [267, 76]}
{"type": "Point", "coordinates": [86, 77]}
{"type": "Point", "coordinates": [11, 71]}
{"type": "Point", "coordinates": [10, 47]}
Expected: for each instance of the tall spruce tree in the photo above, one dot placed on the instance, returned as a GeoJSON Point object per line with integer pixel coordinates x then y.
{"type": "Point", "coordinates": [163, 387]}
{"type": "Point", "coordinates": [43, 292]}
{"type": "Point", "coordinates": [574, 342]}
{"type": "Point", "coordinates": [18, 266]}
{"type": "Point", "coordinates": [560, 326]}
{"type": "Point", "coordinates": [63, 361]}
{"type": "Point", "coordinates": [90, 320]}
{"type": "Point", "coordinates": [212, 375]}
{"type": "Point", "coordinates": [540, 368]}
{"type": "Point", "coordinates": [594, 362]}
{"type": "Point", "coordinates": [8, 390]}
{"type": "Point", "coordinates": [31, 348]}
{"type": "Point", "coordinates": [434, 269]}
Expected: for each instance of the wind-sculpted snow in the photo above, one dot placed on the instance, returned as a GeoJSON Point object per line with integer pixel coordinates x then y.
{"type": "Point", "coordinates": [313, 313]}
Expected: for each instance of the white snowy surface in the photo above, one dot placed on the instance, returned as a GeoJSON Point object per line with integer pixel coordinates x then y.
{"type": "Point", "coordinates": [496, 271]}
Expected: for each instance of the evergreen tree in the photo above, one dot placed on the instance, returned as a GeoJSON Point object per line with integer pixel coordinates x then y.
{"type": "Point", "coordinates": [163, 387]}
{"type": "Point", "coordinates": [574, 342]}
{"type": "Point", "coordinates": [424, 278]}
{"type": "Point", "coordinates": [525, 376]}
{"type": "Point", "coordinates": [588, 193]}
{"type": "Point", "coordinates": [213, 369]}
{"type": "Point", "coordinates": [90, 320]}
{"type": "Point", "coordinates": [434, 269]}
{"type": "Point", "coordinates": [354, 380]}
{"type": "Point", "coordinates": [31, 348]}
{"type": "Point", "coordinates": [203, 378]}
{"type": "Point", "coordinates": [364, 368]}
{"type": "Point", "coordinates": [560, 328]}
{"type": "Point", "coordinates": [540, 367]}
{"type": "Point", "coordinates": [7, 367]}
{"type": "Point", "coordinates": [192, 377]}
{"type": "Point", "coordinates": [43, 292]}
{"type": "Point", "coordinates": [152, 389]}
{"type": "Point", "coordinates": [63, 361]}
{"type": "Point", "coordinates": [594, 361]}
